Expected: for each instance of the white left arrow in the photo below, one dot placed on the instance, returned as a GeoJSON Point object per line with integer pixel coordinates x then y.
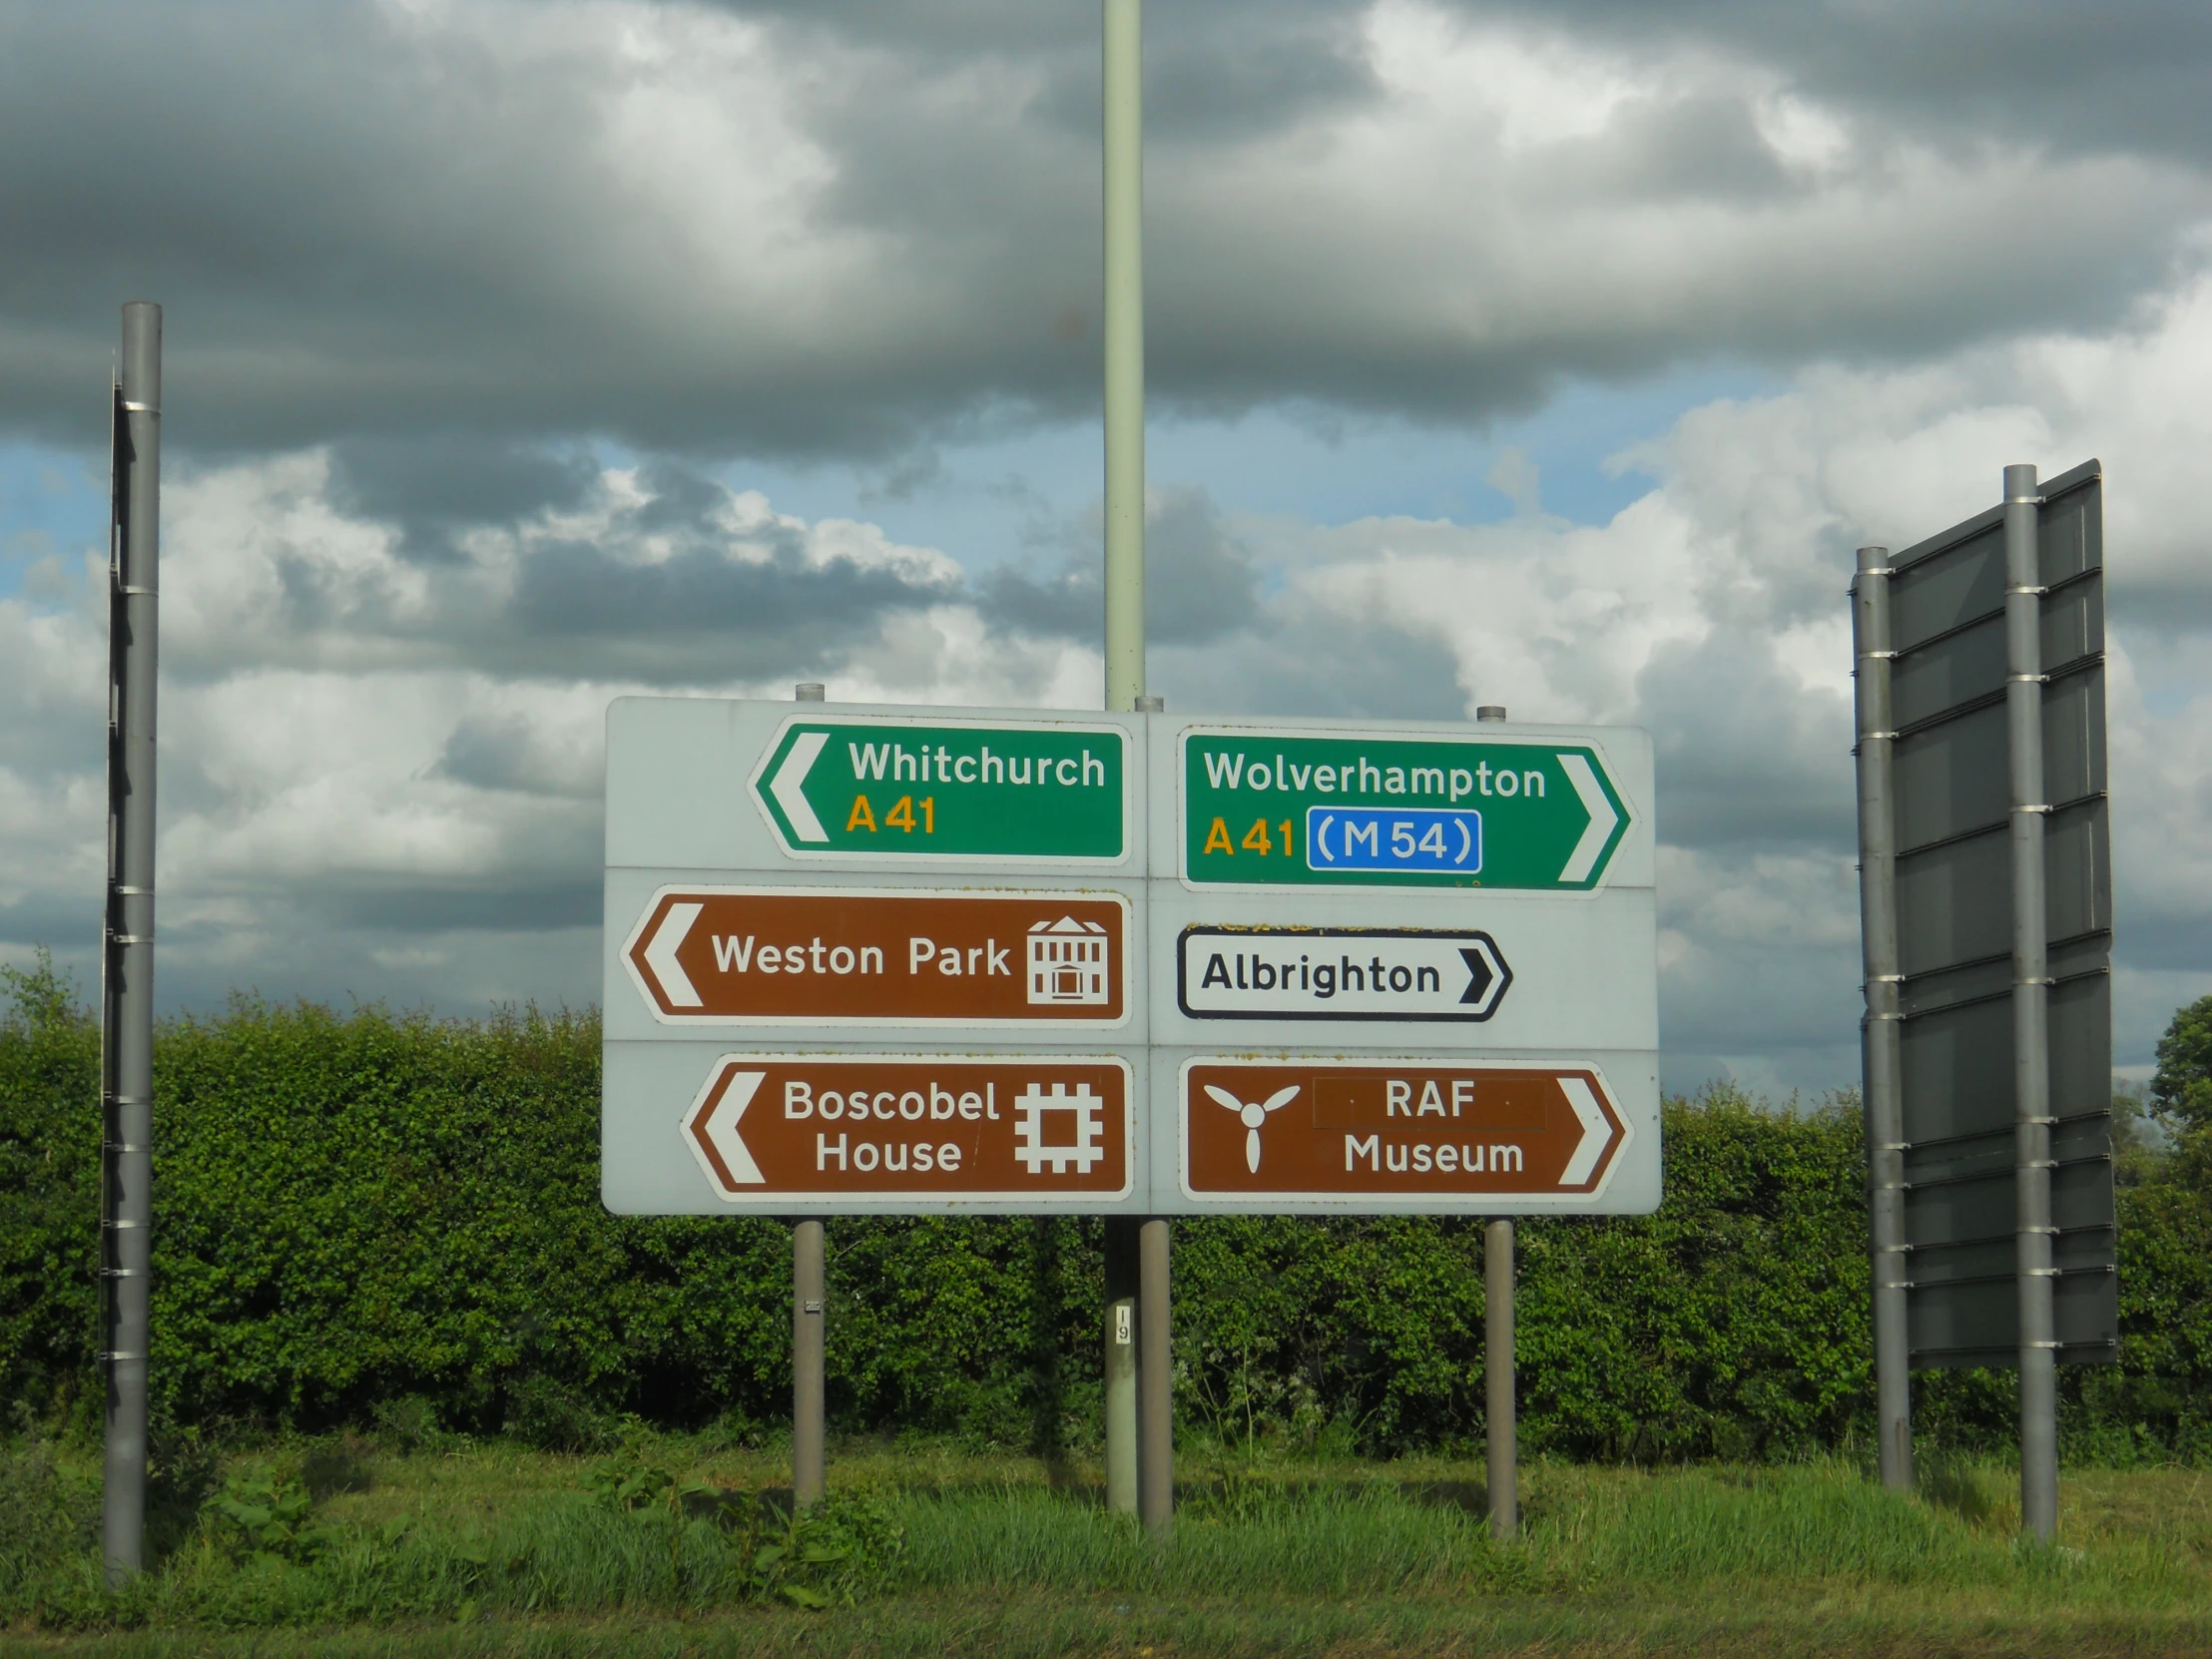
{"type": "Point", "coordinates": [1597, 1133]}
{"type": "Point", "coordinates": [711, 1123]}
{"type": "Point", "coordinates": [784, 786]}
{"type": "Point", "coordinates": [660, 955]}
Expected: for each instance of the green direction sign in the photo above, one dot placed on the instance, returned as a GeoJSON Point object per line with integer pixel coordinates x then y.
{"type": "Point", "coordinates": [884, 787]}
{"type": "Point", "coordinates": [1305, 809]}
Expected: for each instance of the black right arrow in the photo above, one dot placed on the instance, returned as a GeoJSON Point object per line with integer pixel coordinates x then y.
{"type": "Point", "coordinates": [1488, 977]}
{"type": "Point", "coordinates": [1479, 974]}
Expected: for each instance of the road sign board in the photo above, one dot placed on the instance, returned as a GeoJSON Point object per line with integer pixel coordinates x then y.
{"type": "Point", "coordinates": [1339, 973]}
{"type": "Point", "coordinates": [1015, 886]}
{"type": "Point", "coordinates": [1050, 1130]}
{"type": "Point", "coordinates": [878, 788]}
{"type": "Point", "coordinates": [1285, 807]}
{"type": "Point", "coordinates": [869, 957]}
{"type": "Point", "coordinates": [1352, 1126]}
{"type": "Point", "coordinates": [1954, 910]}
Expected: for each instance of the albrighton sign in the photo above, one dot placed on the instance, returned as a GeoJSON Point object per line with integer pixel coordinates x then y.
{"type": "Point", "coordinates": [877, 789]}
{"type": "Point", "coordinates": [1339, 973]}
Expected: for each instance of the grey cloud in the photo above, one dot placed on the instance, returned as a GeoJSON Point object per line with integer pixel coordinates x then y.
{"type": "Point", "coordinates": [1706, 148]}
{"type": "Point", "coordinates": [1225, 70]}
{"type": "Point", "coordinates": [1755, 998]}
{"type": "Point", "coordinates": [367, 221]}
{"type": "Point", "coordinates": [1308, 662]}
{"type": "Point", "coordinates": [433, 488]}
{"type": "Point", "coordinates": [550, 894]}
{"type": "Point", "coordinates": [2125, 76]}
{"type": "Point", "coordinates": [66, 921]}
{"type": "Point", "coordinates": [1201, 582]}
{"type": "Point", "coordinates": [1067, 604]}
{"type": "Point", "coordinates": [506, 755]}
{"type": "Point", "coordinates": [669, 591]}
{"type": "Point", "coordinates": [1747, 758]}
{"type": "Point", "coordinates": [699, 615]}
{"type": "Point", "coordinates": [2169, 937]}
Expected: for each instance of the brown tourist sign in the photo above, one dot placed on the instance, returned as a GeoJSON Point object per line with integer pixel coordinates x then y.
{"type": "Point", "coordinates": [1308, 1128]}
{"type": "Point", "coordinates": [1035, 1128]}
{"type": "Point", "coordinates": [867, 956]}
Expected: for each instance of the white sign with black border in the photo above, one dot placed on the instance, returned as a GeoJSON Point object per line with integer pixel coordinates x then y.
{"type": "Point", "coordinates": [1400, 974]}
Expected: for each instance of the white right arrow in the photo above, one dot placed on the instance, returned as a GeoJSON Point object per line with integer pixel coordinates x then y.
{"type": "Point", "coordinates": [1602, 818]}
{"type": "Point", "coordinates": [660, 955]}
{"type": "Point", "coordinates": [784, 786]}
{"type": "Point", "coordinates": [1598, 1134]}
{"type": "Point", "coordinates": [712, 1123]}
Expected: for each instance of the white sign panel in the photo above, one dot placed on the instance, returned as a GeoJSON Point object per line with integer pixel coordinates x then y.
{"type": "Point", "coordinates": [1399, 974]}
{"type": "Point", "coordinates": [1219, 956]}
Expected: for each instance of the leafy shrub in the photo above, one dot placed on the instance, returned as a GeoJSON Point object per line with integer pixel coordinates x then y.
{"type": "Point", "coordinates": [814, 1558]}
{"type": "Point", "coordinates": [267, 1516]}
{"type": "Point", "coordinates": [48, 1514]}
{"type": "Point", "coordinates": [551, 1416]}
{"type": "Point", "coordinates": [396, 1222]}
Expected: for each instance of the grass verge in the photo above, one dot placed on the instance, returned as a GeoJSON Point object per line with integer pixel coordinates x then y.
{"type": "Point", "coordinates": [678, 1549]}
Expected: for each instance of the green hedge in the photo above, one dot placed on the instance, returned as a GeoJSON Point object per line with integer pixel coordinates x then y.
{"type": "Point", "coordinates": [367, 1214]}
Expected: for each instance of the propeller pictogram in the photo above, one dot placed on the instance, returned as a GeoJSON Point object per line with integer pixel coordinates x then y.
{"type": "Point", "coordinates": [1252, 1116]}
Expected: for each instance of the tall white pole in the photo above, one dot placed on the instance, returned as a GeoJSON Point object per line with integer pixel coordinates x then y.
{"type": "Point", "coordinates": [1130, 1264]}
{"type": "Point", "coordinates": [1124, 330]}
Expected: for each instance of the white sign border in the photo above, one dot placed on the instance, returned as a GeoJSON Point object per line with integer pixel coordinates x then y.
{"type": "Point", "coordinates": [1442, 734]}
{"type": "Point", "coordinates": [786, 1200]}
{"type": "Point", "coordinates": [1415, 1203]}
{"type": "Point", "coordinates": [1040, 1029]}
{"type": "Point", "coordinates": [1185, 934]}
{"type": "Point", "coordinates": [1131, 789]}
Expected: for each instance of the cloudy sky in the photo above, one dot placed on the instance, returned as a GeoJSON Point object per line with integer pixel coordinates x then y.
{"type": "Point", "coordinates": [520, 355]}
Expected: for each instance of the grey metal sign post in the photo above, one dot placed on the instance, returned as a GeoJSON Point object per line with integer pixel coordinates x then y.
{"type": "Point", "coordinates": [127, 953]}
{"type": "Point", "coordinates": [1122, 140]}
{"type": "Point", "coordinates": [2029, 804]}
{"type": "Point", "coordinates": [1987, 902]}
{"type": "Point", "coordinates": [1878, 916]}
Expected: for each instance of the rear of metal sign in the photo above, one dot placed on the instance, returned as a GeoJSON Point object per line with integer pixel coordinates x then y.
{"type": "Point", "coordinates": [1985, 845]}
{"type": "Point", "coordinates": [1954, 910]}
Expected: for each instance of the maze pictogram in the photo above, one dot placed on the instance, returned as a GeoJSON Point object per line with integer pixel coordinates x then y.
{"type": "Point", "coordinates": [1086, 1149]}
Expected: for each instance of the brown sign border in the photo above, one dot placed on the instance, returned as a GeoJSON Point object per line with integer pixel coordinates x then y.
{"type": "Point", "coordinates": [833, 1203]}
{"type": "Point", "coordinates": [1132, 946]}
{"type": "Point", "coordinates": [1362, 1203]}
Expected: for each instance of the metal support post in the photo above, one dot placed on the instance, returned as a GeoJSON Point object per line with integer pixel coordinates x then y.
{"type": "Point", "coordinates": [1500, 1429]}
{"type": "Point", "coordinates": [2023, 708]}
{"type": "Point", "coordinates": [1878, 1030]}
{"type": "Point", "coordinates": [1123, 208]}
{"type": "Point", "coordinates": [808, 1298]}
{"type": "Point", "coordinates": [1124, 351]}
{"type": "Point", "coordinates": [1155, 1360]}
{"type": "Point", "coordinates": [127, 954]}
{"type": "Point", "coordinates": [1497, 1377]}
{"type": "Point", "coordinates": [1121, 1362]}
